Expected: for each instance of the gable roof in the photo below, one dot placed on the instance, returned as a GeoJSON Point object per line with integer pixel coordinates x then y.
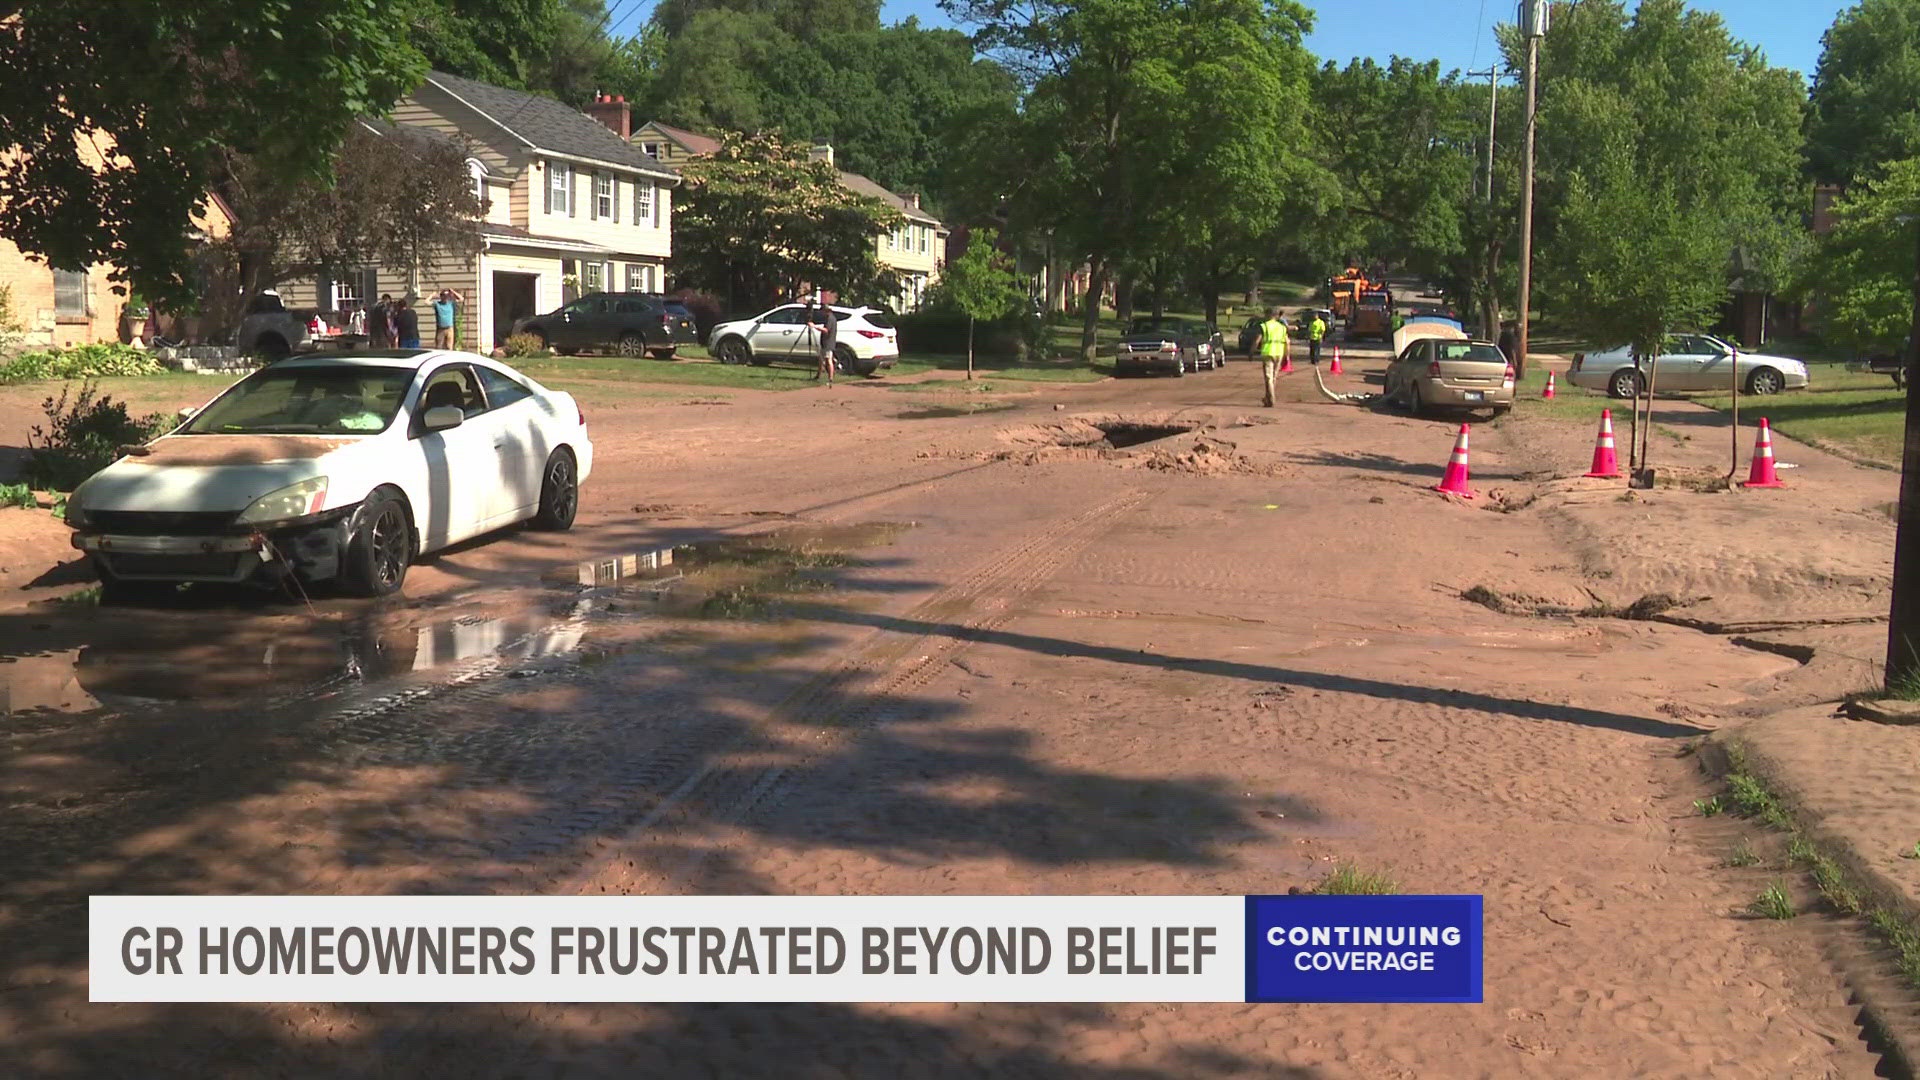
{"type": "Point", "coordinates": [545, 125]}
{"type": "Point", "coordinates": [691, 141]}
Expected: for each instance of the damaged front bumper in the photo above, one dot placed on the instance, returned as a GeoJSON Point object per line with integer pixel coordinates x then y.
{"type": "Point", "coordinates": [310, 548]}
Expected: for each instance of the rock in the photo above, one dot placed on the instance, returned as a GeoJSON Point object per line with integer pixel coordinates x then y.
{"type": "Point", "coordinates": [1058, 408]}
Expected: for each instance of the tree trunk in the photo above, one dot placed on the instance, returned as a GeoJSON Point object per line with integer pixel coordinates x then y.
{"type": "Point", "coordinates": [1123, 296]}
{"type": "Point", "coordinates": [969, 346]}
{"type": "Point", "coordinates": [1211, 303]}
{"type": "Point", "coordinates": [1253, 286]}
{"type": "Point", "coordinates": [1159, 289]}
{"type": "Point", "coordinates": [1090, 312]}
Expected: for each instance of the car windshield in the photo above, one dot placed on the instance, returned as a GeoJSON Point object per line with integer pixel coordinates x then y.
{"type": "Point", "coordinates": [1156, 326]}
{"type": "Point", "coordinates": [1470, 351]}
{"type": "Point", "coordinates": [344, 399]}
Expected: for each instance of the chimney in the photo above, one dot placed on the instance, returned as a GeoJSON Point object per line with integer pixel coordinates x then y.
{"type": "Point", "coordinates": [912, 198]}
{"type": "Point", "coordinates": [613, 111]}
{"type": "Point", "coordinates": [822, 152]}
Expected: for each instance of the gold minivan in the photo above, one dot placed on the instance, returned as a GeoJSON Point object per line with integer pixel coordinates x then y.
{"type": "Point", "coordinates": [1439, 373]}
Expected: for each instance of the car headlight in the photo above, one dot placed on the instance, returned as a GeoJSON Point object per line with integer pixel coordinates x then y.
{"type": "Point", "coordinates": [292, 501]}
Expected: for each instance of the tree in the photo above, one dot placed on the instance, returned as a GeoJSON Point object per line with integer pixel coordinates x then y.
{"type": "Point", "coordinates": [805, 19]}
{"type": "Point", "coordinates": [981, 284]}
{"type": "Point", "coordinates": [402, 199]}
{"type": "Point", "coordinates": [1864, 112]}
{"type": "Point", "coordinates": [1864, 269]}
{"type": "Point", "coordinates": [1125, 99]}
{"type": "Point", "coordinates": [758, 219]}
{"type": "Point", "coordinates": [118, 117]}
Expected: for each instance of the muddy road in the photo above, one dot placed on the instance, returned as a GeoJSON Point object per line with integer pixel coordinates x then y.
{"type": "Point", "coordinates": [1132, 637]}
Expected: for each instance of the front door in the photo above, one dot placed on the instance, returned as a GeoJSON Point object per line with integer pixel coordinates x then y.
{"type": "Point", "coordinates": [1714, 363]}
{"type": "Point", "coordinates": [463, 485]}
{"type": "Point", "coordinates": [573, 327]}
{"type": "Point", "coordinates": [778, 336]}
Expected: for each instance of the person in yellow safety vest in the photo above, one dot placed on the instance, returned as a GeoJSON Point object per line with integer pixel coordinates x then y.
{"type": "Point", "coordinates": [1272, 345]}
{"type": "Point", "coordinates": [1316, 330]}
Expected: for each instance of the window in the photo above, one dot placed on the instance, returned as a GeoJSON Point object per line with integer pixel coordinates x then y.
{"type": "Point", "coordinates": [637, 278]}
{"type": "Point", "coordinates": [502, 391]}
{"type": "Point", "coordinates": [923, 239]}
{"type": "Point", "coordinates": [559, 188]}
{"type": "Point", "coordinates": [603, 189]}
{"type": "Point", "coordinates": [70, 294]}
{"type": "Point", "coordinates": [891, 237]}
{"type": "Point", "coordinates": [587, 305]}
{"type": "Point", "coordinates": [452, 386]}
{"type": "Point", "coordinates": [347, 293]}
{"type": "Point", "coordinates": [478, 174]}
{"type": "Point", "coordinates": [642, 202]}
{"type": "Point", "coordinates": [592, 278]}
{"type": "Point", "coordinates": [785, 316]}
{"type": "Point", "coordinates": [652, 150]}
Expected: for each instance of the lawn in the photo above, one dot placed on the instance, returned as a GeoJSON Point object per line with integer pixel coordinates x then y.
{"type": "Point", "coordinates": [1856, 412]}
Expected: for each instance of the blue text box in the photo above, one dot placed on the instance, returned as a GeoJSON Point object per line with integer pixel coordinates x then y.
{"type": "Point", "coordinates": [1365, 948]}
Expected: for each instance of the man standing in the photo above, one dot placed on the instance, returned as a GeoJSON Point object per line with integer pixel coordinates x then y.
{"type": "Point", "coordinates": [826, 326]}
{"type": "Point", "coordinates": [1272, 345]}
{"type": "Point", "coordinates": [1316, 330]}
{"type": "Point", "coordinates": [406, 324]}
{"type": "Point", "coordinates": [444, 315]}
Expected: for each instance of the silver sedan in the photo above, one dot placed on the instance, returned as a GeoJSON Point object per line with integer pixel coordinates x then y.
{"type": "Point", "coordinates": [1690, 362]}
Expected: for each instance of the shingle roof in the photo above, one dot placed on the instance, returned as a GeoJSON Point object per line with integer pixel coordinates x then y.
{"type": "Point", "coordinates": [546, 124]}
{"type": "Point", "coordinates": [862, 185]}
{"type": "Point", "coordinates": [694, 142]}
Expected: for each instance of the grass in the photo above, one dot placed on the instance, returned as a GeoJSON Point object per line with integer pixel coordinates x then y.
{"type": "Point", "coordinates": [1347, 880]}
{"type": "Point", "coordinates": [1570, 403]}
{"type": "Point", "coordinates": [1855, 411]}
{"type": "Point", "coordinates": [19, 495]}
{"type": "Point", "coordinates": [558, 371]}
{"type": "Point", "coordinates": [1742, 855]}
{"type": "Point", "coordinates": [1711, 806]}
{"type": "Point", "coordinates": [1905, 687]}
{"type": "Point", "coordinates": [1773, 903]}
{"type": "Point", "coordinates": [1750, 796]}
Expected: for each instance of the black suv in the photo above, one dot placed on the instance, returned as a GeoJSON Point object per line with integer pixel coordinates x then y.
{"type": "Point", "coordinates": [628, 323]}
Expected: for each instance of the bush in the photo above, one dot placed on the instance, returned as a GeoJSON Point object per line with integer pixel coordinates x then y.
{"type": "Point", "coordinates": [80, 362]}
{"type": "Point", "coordinates": [83, 435]}
{"type": "Point", "coordinates": [945, 332]}
{"type": "Point", "coordinates": [522, 345]}
{"type": "Point", "coordinates": [705, 308]}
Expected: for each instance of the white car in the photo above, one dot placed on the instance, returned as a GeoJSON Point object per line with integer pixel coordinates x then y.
{"type": "Point", "coordinates": [865, 340]}
{"type": "Point", "coordinates": [341, 467]}
{"type": "Point", "coordinates": [1689, 362]}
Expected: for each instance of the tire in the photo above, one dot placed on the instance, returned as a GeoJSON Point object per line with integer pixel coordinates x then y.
{"type": "Point", "coordinates": [1501, 410]}
{"type": "Point", "coordinates": [632, 346]}
{"type": "Point", "coordinates": [379, 547]}
{"type": "Point", "coordinates": [1765, 381]}
{"type": "Point", "coordinates": [1415, 406]}
{"type": "Point", "coordinates": [733, 350]}
{"type": "Point", "coordinates": [568, 352]}
{"type": "Point", "coordinates": [846, 362]}
{"type": "Point", "coordinates": [559, 493]}
{"type": "Point", "coordinates": [1179, 368]}
{"type": "Point", "coordinates": [663, 354]}
{"type": "Point", "coordinates": [1624, 383]}
{"type": "Point", "coordinates": [1900, 378]}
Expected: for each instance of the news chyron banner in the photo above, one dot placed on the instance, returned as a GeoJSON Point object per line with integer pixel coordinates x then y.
{"type": "Point", "coordinates": [785, 948]}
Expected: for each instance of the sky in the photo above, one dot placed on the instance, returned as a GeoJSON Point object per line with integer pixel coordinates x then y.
{"type": "Point", "coordinates": [1459, 32]}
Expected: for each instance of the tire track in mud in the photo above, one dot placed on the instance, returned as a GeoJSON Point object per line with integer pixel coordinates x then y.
{"type": "Point", "coordinates": [841, 702]}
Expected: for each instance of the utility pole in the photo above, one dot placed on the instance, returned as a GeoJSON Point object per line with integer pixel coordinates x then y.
{"type": "Point", "coordinates": [1533, 25]}
{"type": "Point", "coordinates": [1493, 115]}
{"type": "Point", "coordinates": [1903, 618]}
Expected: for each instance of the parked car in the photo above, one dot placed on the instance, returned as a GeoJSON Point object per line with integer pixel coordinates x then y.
{"type": "Point", "coordinates": [1689, 362]}
{"type": "Point", "coordinates": [1250, 333]}
{"type": "Point", "coordinates": [1213, 347]}
{"type": "Point", "coordinates": [1892, 365]}
{"type": "Point", "coordinates": [1168, 344]}
{"type": "Point", "coordinates": [1435, 373]}
{"type": "Point", "coordinates": [272, 331]}
{"type": "Point", "coordinates": [629, 323]}
{"type": "Point", "coordinates": [864, 341]}
{"type": "Point", "coordinates": [337, 468]}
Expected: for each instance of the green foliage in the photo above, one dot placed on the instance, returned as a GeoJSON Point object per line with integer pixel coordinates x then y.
{"type": "Point", "coordinates": [1346, 880]}
{"type": "Point", "coordinates": [759, 217]}
{"type": "Point", "coordinates": [520, 345]}
{"type": "Point", "coordinates": [1742, 855]}
{"type": "Point", "coordinates": [80, 362]}
{"type": "Point", "coordinates": [173, 87]}
{"type": "Point", "coordinates": [1862, 271]}
{"type": "Point", "coordinates": [1773, 903]}
{"type": "Point", "coordinates": [83, 434]}
{"type": "Point", "coordinates": [945, 333]}
{"type": "Point", "coordinates": [10, 328]}
{"type": "Point", "coordinates": [981, 283]}
{"type": "Point", "coordinates": [1864, 112]}
{"type": "Point", "coordinates": [18, 495]}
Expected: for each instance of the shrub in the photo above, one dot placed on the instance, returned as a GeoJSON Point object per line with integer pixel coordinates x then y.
{"type": "Point", "coordinates": [80, 362]}
{"type": "Point", "coordinates": [520, 345]}
{"type": "Point", "coordinates": [705, 308]}
{"type": "Point", "coordinates": [83, 435]}
{"type": "Point", "coordinates": [945, 332]}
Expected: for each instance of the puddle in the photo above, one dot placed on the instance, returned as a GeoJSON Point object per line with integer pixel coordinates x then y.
{"type": "Point", "coordinates": [648, 565]}
{"type": "Point", "coordinates": [940, 412]}
{"type": "Point", "coordinates": [748, 577]}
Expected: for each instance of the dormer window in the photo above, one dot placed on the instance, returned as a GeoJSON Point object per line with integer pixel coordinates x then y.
{"type": "Point", "coordinates": [477, 172]}
{"type": "Point", "coordinates": [651, 149]}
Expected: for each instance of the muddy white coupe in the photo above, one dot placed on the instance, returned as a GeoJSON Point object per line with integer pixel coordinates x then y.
{"type": "Point", "coordinates": [341, 468]}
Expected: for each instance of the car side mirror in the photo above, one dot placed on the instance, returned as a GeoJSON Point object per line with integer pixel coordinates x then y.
{"type": "Point", "coordinates": [189, 412]}
{"type": "Point", "coordinates": [442, 417]}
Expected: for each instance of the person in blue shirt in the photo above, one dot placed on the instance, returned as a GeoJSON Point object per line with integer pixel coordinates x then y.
{"type": "Point", "coordinates": [445, 314]}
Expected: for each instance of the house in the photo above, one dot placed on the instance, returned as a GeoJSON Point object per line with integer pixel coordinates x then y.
{"type": "Point", "coordinates": [915, 252]}
{"type": "Point", "coordinates": [569, 207]}
{"type": "Point", "coordinates": [80, 307]}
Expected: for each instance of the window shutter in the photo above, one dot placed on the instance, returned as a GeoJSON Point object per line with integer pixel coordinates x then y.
{"type": "Point", "coordinates": [658, 194]}
{"type": "Point", "coordinates": [593, 196]}
{"type": "Point", "coordinates": [573, 193]}
{"type": "Point", "coordinates": [323, 292]}
{"type": "Point", "coordinates": [369, 285]}
{"type": "Point", "coordinates": [615, 200]}
{"type": "Point", "coordinates": [546, 182]}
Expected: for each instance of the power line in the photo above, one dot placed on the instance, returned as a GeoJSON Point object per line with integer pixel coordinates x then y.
{"type": "Point", "coordinates": [1480, 35]}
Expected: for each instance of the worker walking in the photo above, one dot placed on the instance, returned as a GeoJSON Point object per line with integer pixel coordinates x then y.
{"type": "Point", "coordinates": [1272, 346]}
{"type": "Point", "coordinates": [1316, 330]}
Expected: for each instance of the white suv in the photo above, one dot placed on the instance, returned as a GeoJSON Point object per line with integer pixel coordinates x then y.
{"type": "Point", "coordinates": [865, 340]}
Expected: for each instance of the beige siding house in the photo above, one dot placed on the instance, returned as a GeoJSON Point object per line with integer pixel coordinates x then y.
{"type": "Point", "coordinates": [569, 207]}
{"type": "Point", "coordinates": [916, 251]}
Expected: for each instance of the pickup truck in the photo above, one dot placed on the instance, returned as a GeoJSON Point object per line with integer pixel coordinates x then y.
{"type": "Point", "coordinates": [274, 332]}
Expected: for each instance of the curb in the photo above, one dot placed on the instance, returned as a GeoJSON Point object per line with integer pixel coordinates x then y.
{"type": "Point", "coordinates": [1887, 1013]}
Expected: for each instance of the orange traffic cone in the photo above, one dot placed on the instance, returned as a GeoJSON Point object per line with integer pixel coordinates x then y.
{"type": "Point", "coordinates": [1334, 369]}
{"type": "Point", "coordinates": [1762, 474]}
{"type": "Point", "coordinates": [1455, 482]}
{"type": "Point", "coordinates": [1549, 390]}
{"type": "Point", "coordinates": [1286, 363]}
{"type": "Point", "coordinates": [1605, 464]}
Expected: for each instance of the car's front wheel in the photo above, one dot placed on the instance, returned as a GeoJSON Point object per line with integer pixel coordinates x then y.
{"type": "Point", "coordinates": [381, 546]}
{"type": "Point", "coordinates": [559, 493]}
{"type": "Point", "coordinates": [732, 351]}
{"type": "Point", "coordinates": [1766, 381]}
